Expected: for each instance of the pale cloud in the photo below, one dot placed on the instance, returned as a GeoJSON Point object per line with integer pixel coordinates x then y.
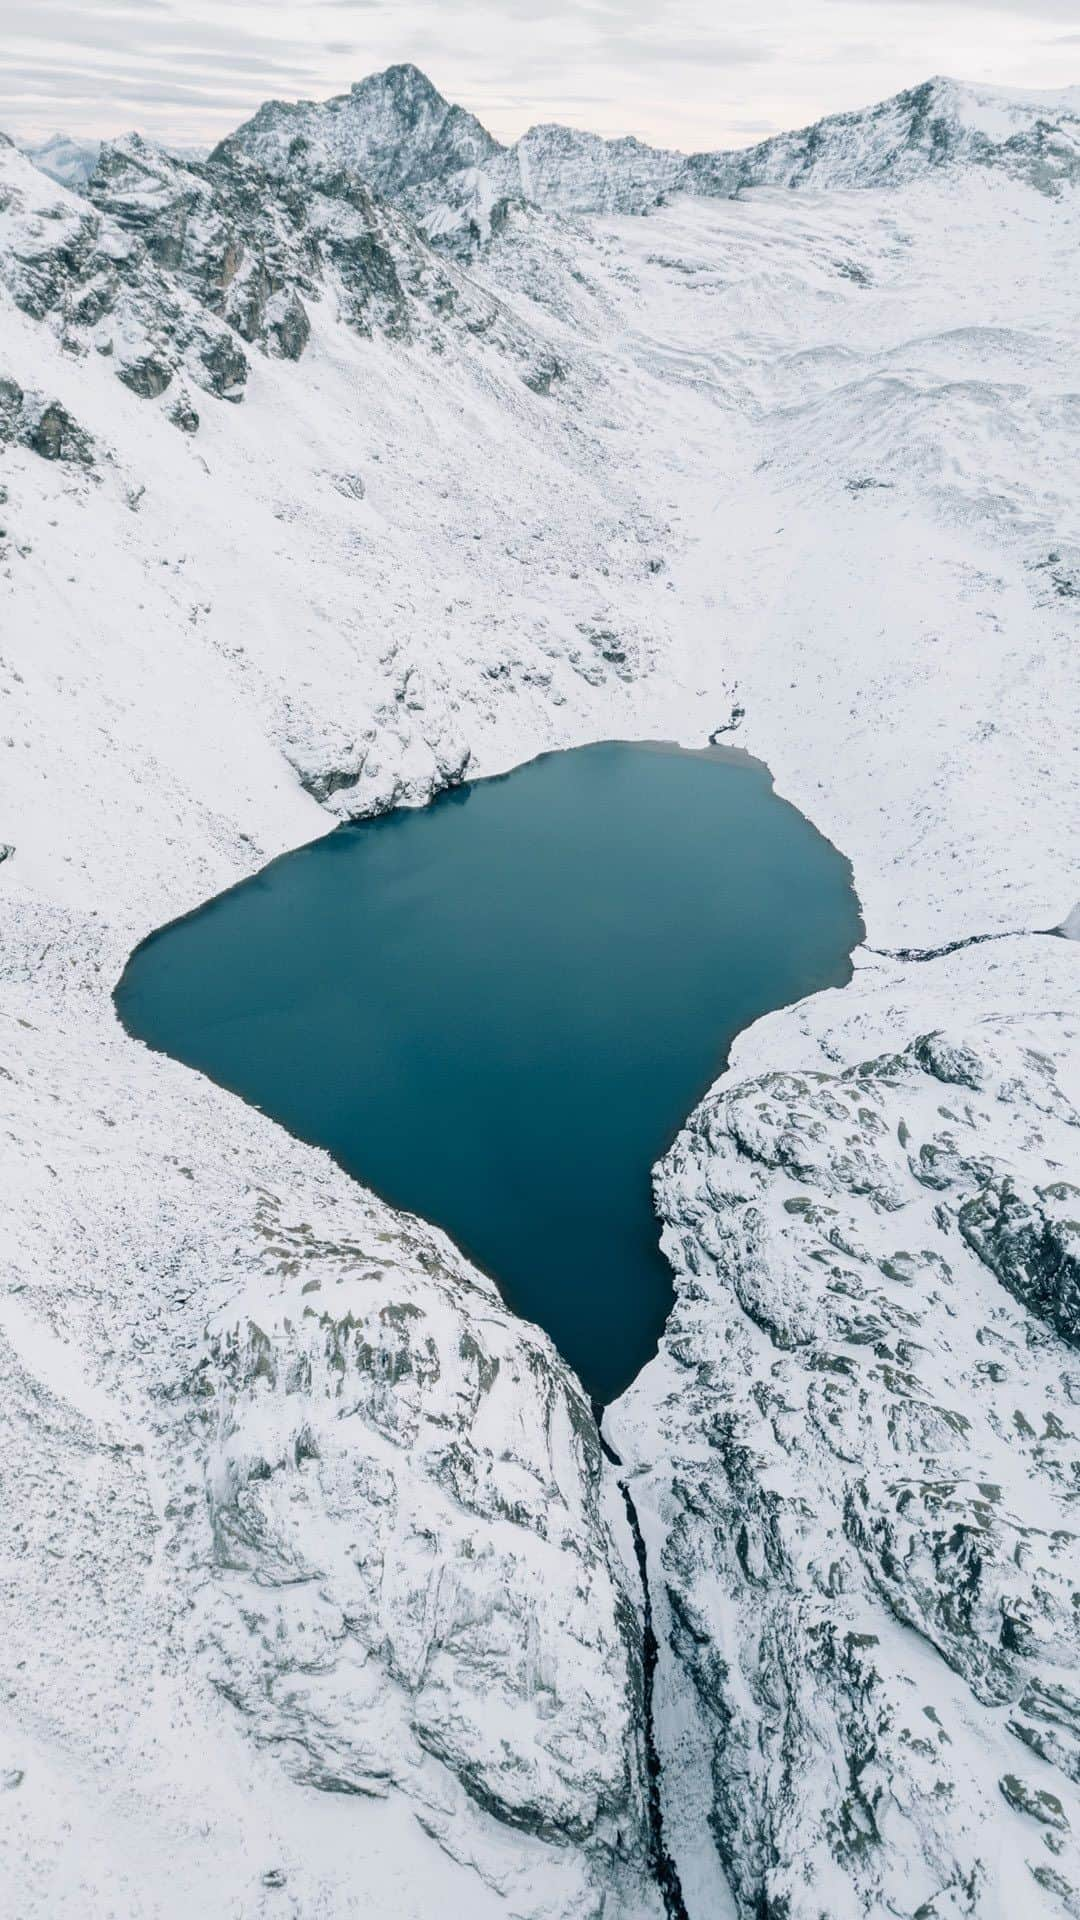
{"type": "Point", "coordinates": [676, 72]}
{"type": "Point", "coordinates": [1024, 10]}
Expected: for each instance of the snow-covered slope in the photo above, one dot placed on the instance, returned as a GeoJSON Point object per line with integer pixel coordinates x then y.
{"type": "Point", "coordinates": [317, 1595]}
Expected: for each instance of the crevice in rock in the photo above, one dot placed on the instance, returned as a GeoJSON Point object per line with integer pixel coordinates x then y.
{"type": "Point", "coordinates": [661, 1864]}
{"type": "Point", "coordinates": [971, 940]}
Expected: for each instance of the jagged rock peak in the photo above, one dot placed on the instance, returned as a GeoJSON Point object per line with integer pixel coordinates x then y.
{"type": "Point", "coordinates": [940, 122]}
{"type": "Point", "coordinates": [394, 128]}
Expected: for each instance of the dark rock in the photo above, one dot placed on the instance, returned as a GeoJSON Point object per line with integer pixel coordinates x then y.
{"type": "Point", "coordinates": [183, 414]}
{"type": "Point", "coordinates": [955, 1065]}
{"type": "Point", "coordinates": [1047, 1719]}
{"type": "Point", "coordinates": [225, 365]}
{"type": "Point", "coordinates": [349, 485]}
{"type": "Point", "coordinates": [1033, 1250]}
{"type": "Point", "coordinates": [54, 435]}
{"type": "Point", "coordinates": [1036, 1801]}
{"type": "Point", "coordinates": [147, 377]}
{"type": "Point", "coordinates": [89, 304]}
{"type": "Point", "coordinates": [11, 402]}
{"type": "Point", "coordinates": [544, 375]}
{"type": "Point", "coordinates": [290, 331]}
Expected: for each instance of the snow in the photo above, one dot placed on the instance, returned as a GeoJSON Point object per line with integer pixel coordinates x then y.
{"type": "Point", "coordinates": [67, 161]}
{"type": "Point", "coordinates": [813, 456]}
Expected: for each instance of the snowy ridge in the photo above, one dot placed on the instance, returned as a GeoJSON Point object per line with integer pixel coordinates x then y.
{"type": "Point", "coordinates": [396, 130]}
{"type": "Point", "coordinates": [317, 1592]}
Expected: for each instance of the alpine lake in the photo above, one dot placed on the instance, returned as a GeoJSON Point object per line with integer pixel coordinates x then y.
{"type": "Point", "coordinates": [498, 1010]}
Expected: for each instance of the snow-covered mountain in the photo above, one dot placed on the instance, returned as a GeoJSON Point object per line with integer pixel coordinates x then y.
{"type": "Point", "coordinates": [68, 161]}
{"type": "Point", "coordinates": [319, 1594]}
{"type": "Point", "coordinates": [396, 130]}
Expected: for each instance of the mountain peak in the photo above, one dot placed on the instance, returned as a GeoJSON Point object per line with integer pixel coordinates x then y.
{"type": "Point", "coordinates": [68, 161]}
{"type": "Point", "coordinates": [394, 128]}
{"type": "Point", "coordinates": [404, 80]}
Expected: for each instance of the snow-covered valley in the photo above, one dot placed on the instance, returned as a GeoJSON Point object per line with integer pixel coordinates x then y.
{"type": "Point", "coordinates": [318, 1595]}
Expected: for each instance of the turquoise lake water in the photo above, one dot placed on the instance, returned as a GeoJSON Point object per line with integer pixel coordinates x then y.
{"type": "Point", "coordinates": [498, 1010]}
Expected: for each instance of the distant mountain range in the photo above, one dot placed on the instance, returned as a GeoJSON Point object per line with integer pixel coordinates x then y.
{"type": "Point", "coordinates": [399, 133]}
{"type": "Point", "coordinates": [406, 142]}
{"type": "Point", "coordinates": [173, 264]}
{"type": "Point", "coordinates": [71, 162]}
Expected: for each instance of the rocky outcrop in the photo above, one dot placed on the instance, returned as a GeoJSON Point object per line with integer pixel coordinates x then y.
{"type": "Point", "coordinates": [255, 247]}
{"type": "Point", "coordinates": [1031, 1241]}
{"type": "Point", "coordinates": [414, 1586]}
{"type": "Point", "coordinates": [98, 287]}
{"type": "Point", "coordinates": [171, 268]}
{"type": "Point", "coordinates": [860, 1505]}
{"type": "Point", "coordinates": [230, 245]}
{"type": "Point", "coordinates": [45, 426]}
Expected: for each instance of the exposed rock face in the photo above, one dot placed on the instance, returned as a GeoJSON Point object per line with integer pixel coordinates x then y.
{"type": "Point", "coordinates": [941, 124]}
{"type": "Point", "coordinates": [862, 1502]}
{"type": "Point", "coordinates": [98, 286]}
{"type": "Point", "coordinates": [1032, 1242]}
{"type": "Point", "coordinates": [45, 426]}
{"type": "Point", "coordinates": [220, 237]}
{"type": "Point", "coordinates": [393, 129]}
{"type": "Point", "coordinates": [176, 266]}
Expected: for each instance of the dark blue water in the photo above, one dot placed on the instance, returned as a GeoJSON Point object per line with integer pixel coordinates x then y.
{"type": "Point", "coordinates": [499, 1010]}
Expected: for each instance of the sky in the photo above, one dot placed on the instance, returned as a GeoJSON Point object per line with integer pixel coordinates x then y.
{"type": "Point", "coordinates": [682, 73]}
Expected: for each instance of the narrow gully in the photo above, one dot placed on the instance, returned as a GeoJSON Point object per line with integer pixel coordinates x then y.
{"type": "Point", "coordinates": [661, 1864]}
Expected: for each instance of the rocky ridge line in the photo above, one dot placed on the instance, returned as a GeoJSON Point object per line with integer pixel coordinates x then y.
{"type": "Point", "coordinates": [398, 131]}
{"type": "Point", "coordinates": [172, 269]}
